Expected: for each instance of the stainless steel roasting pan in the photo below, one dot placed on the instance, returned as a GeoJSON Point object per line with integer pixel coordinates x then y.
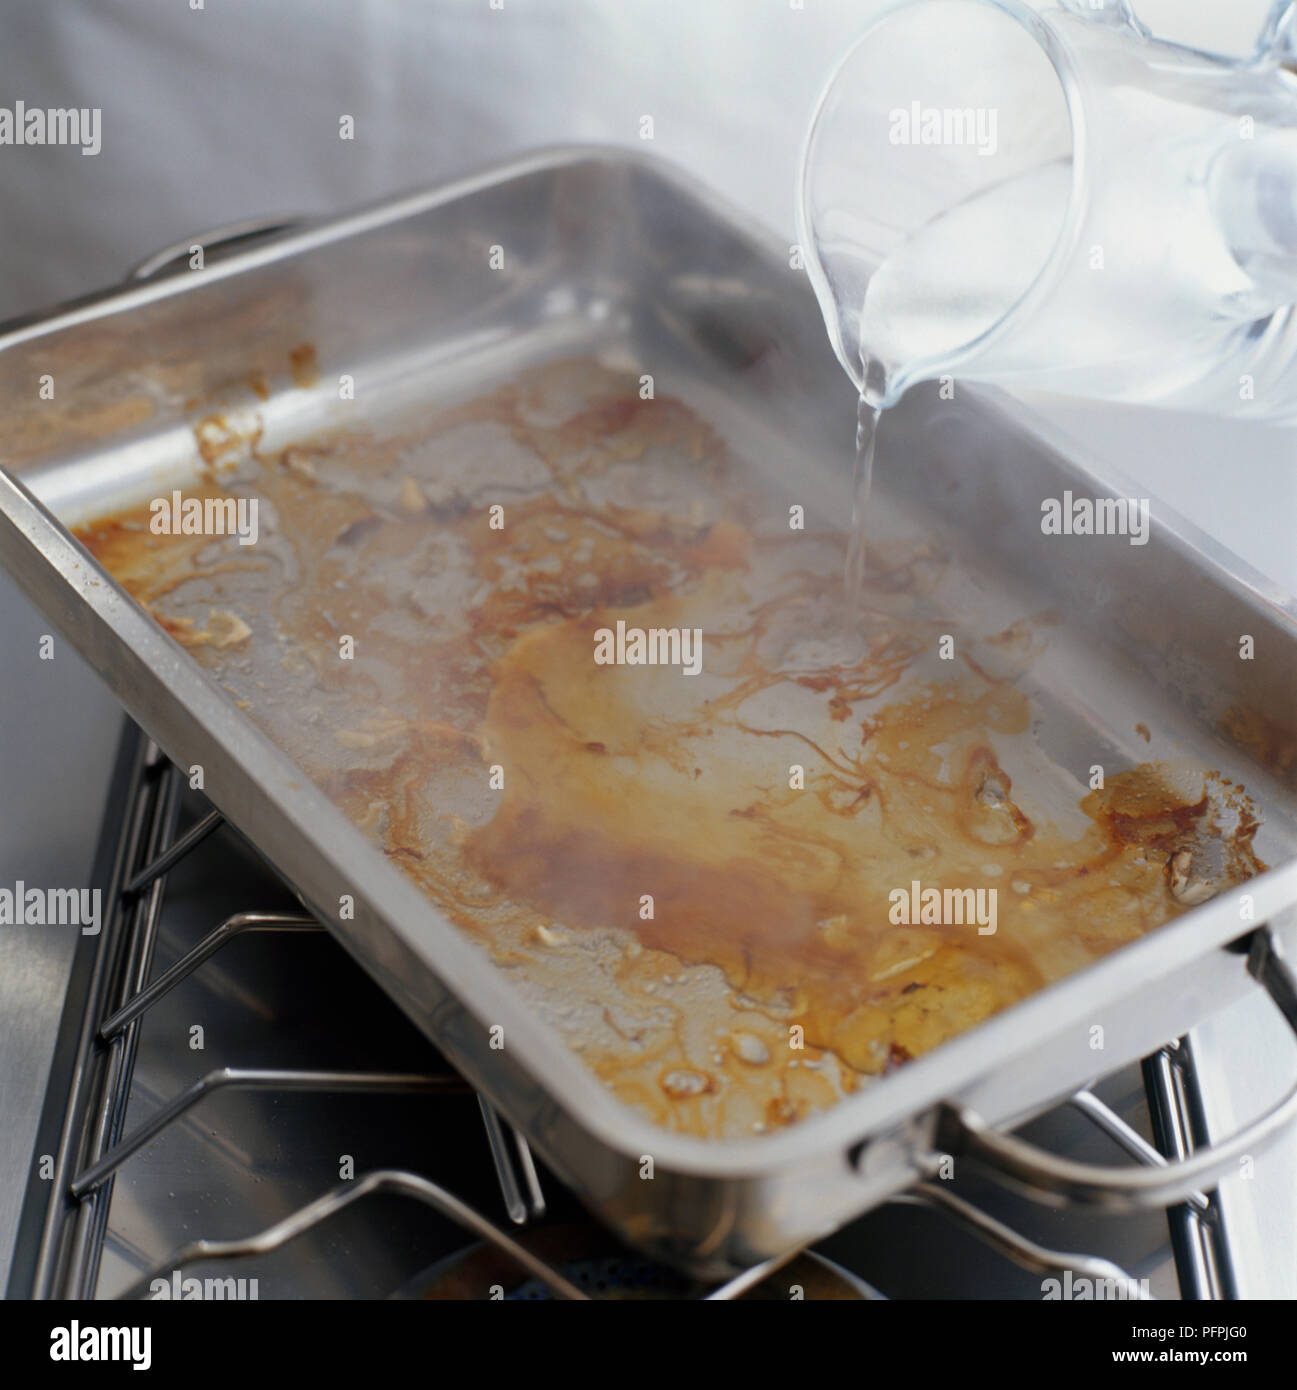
{"type": "Point", "coordinates": [607, 250]}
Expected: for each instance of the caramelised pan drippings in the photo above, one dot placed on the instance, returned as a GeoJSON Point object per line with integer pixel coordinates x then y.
{"type": "Point", "coordinates": [698, 879]}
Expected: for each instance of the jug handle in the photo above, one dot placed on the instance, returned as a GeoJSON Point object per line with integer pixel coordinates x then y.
{"type": "Point", "coordinates": [1112, 14]}
{"type": "Point", "coordinates": [1276, 44]}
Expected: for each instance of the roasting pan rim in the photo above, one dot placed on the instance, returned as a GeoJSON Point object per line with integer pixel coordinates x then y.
{"type": "Point", "coordinates": [971, 1054]}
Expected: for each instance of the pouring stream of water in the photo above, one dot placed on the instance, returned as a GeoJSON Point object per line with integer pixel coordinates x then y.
{"type": "Point", "coordinates": [868, 415]}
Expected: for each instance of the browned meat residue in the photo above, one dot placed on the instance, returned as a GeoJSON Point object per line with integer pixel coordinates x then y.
{"type": "Point", "coordinates": [543, 800]}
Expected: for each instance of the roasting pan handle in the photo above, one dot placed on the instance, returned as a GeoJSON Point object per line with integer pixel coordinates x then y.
{"type": "Point", "coordinates": [1049, 1178]}
{"type": "Point", "coordinates": [233, 235]}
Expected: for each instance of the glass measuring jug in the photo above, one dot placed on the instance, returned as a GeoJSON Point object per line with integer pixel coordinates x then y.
{"type": "Point", "coordinates": [1055, 199]}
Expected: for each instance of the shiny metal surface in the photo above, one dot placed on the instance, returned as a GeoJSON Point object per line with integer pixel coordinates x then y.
{"type": "Point", "coordinates": [49, 827]}
{"type": "Point", "coordinates": [1162, 1182]}
{"type": "Point", "coordinates": [1117, 1188]}
{"type": "Point", "coordinates": [606, 250]}
{"type": "Point", "coordinates": [246, 1161]}
{"type": "Point", "coordinates": [218, 239]}
{"type": "Point", "coordinates": [1009, 1242]}
{"type": "Point", "coordinates": [1127, 1138]}
{"type": "Point", "coordinates": [323, 1208]}
{"type": "Point", "coordinates": [1199, 1233]}
{"type": "Point", "coordinates": [1239, 1058]}
{"type": "Point", "coordinates": [251, 1152]}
